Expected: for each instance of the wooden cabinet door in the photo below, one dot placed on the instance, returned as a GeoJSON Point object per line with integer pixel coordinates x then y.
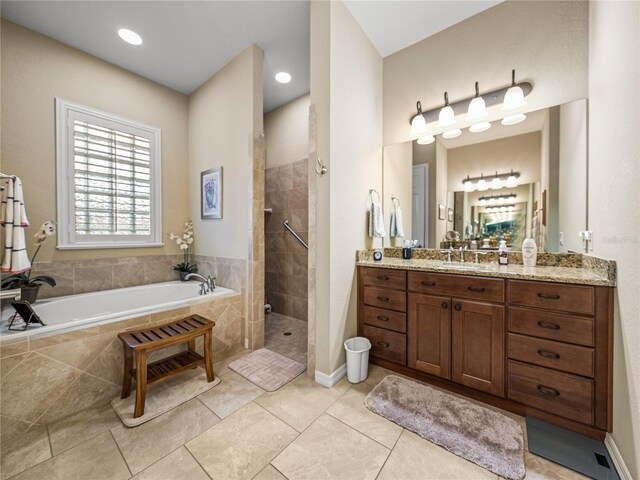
{"type": "Point", "coordinates": [478, 337]}
{"type": "Point", "coordinates": [429, 334]}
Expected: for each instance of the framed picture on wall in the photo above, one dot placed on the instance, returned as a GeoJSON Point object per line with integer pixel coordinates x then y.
{"type": "Point", "coordinates": [441, 210]}
{"type": "Point", "coordinates": [211, 193]}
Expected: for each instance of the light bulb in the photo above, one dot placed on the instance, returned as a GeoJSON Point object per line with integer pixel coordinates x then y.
{"type": "Point", "coordinates": [453, 133]}
{"type": "Point", "coordinates": [496, 183]}
{"type": "Point", "coordinates": [492, 200]}
{"type": "Point", "coordinates": [446, 117]}
{"type": "Point", "coordinates": [479, 127]}
{"type": "Point", "coordinates": [468, 185]}
{"type": "Point", "coordinates": [482, 185]}
{"type": "Point", "coordinates": [477, 109]}
{"type": "Point", "coordinates": [283, 77]}
{"type": "Point", "coordinates": [514, 119]}
{"type": "Point", "coordinates": [483, 202]}
{"type": "Point", "coordinates": [512, 181]}
{"type": "Point", "coordinates": [426, 139]}
{"type": "Point", "coordinates": [130, 36]}
{"type": "Point", "coordinates": [514, 97]}
{"type": "Point", "coordinates": [418, 125]}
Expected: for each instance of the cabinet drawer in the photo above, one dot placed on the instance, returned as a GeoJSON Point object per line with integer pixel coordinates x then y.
{"type": "Point", "coordinates": [388, 319]}
{"type": "Point", "coordinates": [477, 288]}
{"type": "Point", "coordinates": [383, 298]}
{"type": "Point", "coordinates": [554, 326]}
{"type": "Point", "coordinates": [553, 296]}
{"type": "Point", "coordinates": [384, 277]}
{"type": "Point", "coordinates": [554, 392]}
{"type": "Point", "coordinates": [547, 353]}
{"type": "Point", "coordinates": [385, 344]}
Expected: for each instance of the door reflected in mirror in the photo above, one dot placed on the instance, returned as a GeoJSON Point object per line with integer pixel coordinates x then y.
{"type": "Point", "coordinates": [544, 199]}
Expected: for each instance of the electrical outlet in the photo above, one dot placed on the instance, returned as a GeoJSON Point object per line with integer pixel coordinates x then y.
{"type": "Point", "coordinates": [561, 239]}
{"type": "Point", "coordinates": [587, 240]}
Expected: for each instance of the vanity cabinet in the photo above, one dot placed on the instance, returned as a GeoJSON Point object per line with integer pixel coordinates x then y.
{"type": "Point", "coordinates": [535, 348]}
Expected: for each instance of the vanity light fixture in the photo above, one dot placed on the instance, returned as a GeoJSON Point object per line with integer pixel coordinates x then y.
{"type": "Point", "coordinates": [498, 198]}
{"type": "Point", "coordinates": [506, 179]}
{"type": "Point", "coordinates": [426, 140]}
{"type": "Point", "coordinates": [130, 36]}
{"type": "Point", "coordinates": [477, 113]}
{"type": "Point", "coordinates": [418, 123]}
{"type": "Point", "coordinates": [283, 77]}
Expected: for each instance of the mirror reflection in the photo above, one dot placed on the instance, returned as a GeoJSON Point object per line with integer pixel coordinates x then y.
{"type": "Point", "coordinates": [506, 183]}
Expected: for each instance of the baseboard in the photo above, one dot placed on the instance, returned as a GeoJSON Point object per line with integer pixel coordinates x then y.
{"type": "Point", "coordinates": [330, 380]}
{"type": "Point", "coordinates": [621, 468]}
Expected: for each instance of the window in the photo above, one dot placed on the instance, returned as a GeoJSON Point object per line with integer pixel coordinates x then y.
{"type": "Point", "coordinates": [108, 180]}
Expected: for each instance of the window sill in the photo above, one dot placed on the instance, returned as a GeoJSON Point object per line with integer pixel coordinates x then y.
{"type": "Point", "coordinates": [95, 246]}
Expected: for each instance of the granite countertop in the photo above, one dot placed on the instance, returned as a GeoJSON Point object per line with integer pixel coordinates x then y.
{"type": "Point", "coordinates": [574, 275]}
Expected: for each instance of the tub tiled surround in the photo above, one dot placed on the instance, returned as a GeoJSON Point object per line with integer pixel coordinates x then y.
{"type": "Point", "coordinates": [48, 378]}
{"type": "Point", "coordinates": [286, 193]}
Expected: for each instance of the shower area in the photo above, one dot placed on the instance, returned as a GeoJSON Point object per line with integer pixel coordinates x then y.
{"type": "Point", "coordinates": [286, 229]}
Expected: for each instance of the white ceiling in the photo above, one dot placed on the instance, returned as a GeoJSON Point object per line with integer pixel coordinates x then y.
{"type": "Point", "coordinates": [394, 25]}
{"type": "Point", "coordinates": [186, 42]}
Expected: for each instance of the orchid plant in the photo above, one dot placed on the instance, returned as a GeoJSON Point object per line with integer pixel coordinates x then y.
{"type": "Point", "coordinates": [24, 279]}
{"type": "Point", "coordinates": [185, 243]}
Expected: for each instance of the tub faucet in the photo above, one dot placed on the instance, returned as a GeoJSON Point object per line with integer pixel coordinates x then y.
{"type": "Point", "coordinates": [208, 285]}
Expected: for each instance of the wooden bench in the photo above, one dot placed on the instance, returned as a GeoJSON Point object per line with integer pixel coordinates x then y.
{"type": "Point", "coordinates": [147, 340]}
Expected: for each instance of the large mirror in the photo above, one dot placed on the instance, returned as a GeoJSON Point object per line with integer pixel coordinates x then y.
{"type": "Point", "coordinates": [535, 184]}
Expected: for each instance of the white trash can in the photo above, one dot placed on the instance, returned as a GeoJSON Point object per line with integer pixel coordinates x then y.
{"type": "Point", "coordinates": [357, 358]}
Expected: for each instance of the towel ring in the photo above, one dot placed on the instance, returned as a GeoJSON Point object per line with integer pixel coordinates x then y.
{"type": "Point", "coordinates": [371, 192]}
{"type": "Point", "coordinates": [395, 200]}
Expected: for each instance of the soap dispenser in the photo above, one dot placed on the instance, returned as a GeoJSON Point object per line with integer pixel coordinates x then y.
{"type": "Point", "coordinates": [529, 252]}
{"type": "Point", "coordinates": [503, 255]}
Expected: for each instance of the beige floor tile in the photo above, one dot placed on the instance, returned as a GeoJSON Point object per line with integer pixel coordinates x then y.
{"type": "Point", "coordinates": [350, 409]}
{"type": "Point", "coordinates": [220, 367]}
{"type": "Point", "coordinates": [269, 473]}
{"type": "Point", "coordinates": [376, 374]}
{"type": "Point", "coordinates": [80, 427]}
{"type": "Point", "coordinates": [242, 444]}
{"type": "Point", "coordinates": [149, 442]}
{"type": "Point", "coordinates": [233, 393]}
{"type": "Point", "coordinates": [416, 458]}
{"type": "Point", "coordinates": [21, 449]}
{"type": "Point", "coordinates": [96, 459]}
{"type": "Point", "coordinates": [331, 449]}
{"type": "Point", "coordinates": [179, 464]}
{"type": "Point", "coordinates": [539, 468]}
{"type": "Point", "coordinates": [301, 401]}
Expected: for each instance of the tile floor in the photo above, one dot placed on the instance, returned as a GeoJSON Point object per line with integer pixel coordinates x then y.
{"type": "Point", "coordinates": [293, 346]}
{"type": "Point", "coordinates": [236, 430]}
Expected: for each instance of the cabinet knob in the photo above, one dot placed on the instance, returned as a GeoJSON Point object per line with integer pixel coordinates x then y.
{"type": "Point", "coordinates": [551, 392]}
{"type": "Point", "coordinates": [383, 344]}
{"type": "Point", "coordinates": [549, 297]}
{"type": "Point", "coordinates": [458, 307]}
{"type": "Point", "coordinates": [444, 305]}
{"type": "Point", "coordinates": [428, 284]}
{"type": "Point", "coordinates": [476, 289]}
{"type": "Point", "coordinates": [383, 299]}
{"type": "Point", "coordinates": [383, 278]}
{"type": "Point", "coordinates": [545, 354]}
{"type": "Point", "coordinates": [549, 326]}
{"type": "Point", "coordinates": [382, 318]}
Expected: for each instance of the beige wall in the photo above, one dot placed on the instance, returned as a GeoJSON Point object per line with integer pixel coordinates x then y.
{"type": "Point", "coordinates": [520, 153]}
{"type": "Point", "coordinates": [397, 177]}
{"type": "Point", "coordinates": [546, 42]}
{"type": "Point", "coordinates": [572, 174]}
{"type": "Point", "coordinates": [36, 70]}
{"type": "Point", "coordinates": [349, 113]}
{"type": "Point", "coordinates": [223, 114]}
{"type": "Point", "coordinates": [614, 197]}
{"type": "Point", "coordinates": [286, 132]}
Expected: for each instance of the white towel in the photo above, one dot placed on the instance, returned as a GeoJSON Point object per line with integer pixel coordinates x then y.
{"type": "Point", "coordinates": [397, 226]}
{"type": "Point", "coordinates": [376, 220]}
{"type": "Point", "coordinates": [14, 218]}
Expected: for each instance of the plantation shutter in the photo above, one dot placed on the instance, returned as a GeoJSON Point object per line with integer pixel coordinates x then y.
{"type": "Point", "coordinates": [112, 181]}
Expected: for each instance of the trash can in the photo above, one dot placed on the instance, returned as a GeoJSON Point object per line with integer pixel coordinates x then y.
{"type": "Point", "coordinates": [357, 358]}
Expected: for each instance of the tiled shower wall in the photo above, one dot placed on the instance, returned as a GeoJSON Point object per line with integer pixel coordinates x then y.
{"type": "Point", "coordinates": [286, 280]}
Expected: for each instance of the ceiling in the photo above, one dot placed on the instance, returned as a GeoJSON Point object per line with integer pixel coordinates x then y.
{"type": "Point", "coordinates": [186, 42]}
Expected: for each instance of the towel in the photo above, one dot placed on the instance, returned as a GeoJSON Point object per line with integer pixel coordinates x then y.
{"type": "Point", "coordinates": [397, 227]}
{"type": "Point", "coordinates": [376, 220]}
{"type": "Point", "coordinates": [14, 218]}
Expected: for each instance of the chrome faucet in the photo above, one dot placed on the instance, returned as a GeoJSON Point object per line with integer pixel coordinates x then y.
{"type": "Point", "coordinates": [207, 286]}
{"type": "Point", "coordinates": [462, 250]}
{"type": "Point", "coordinates": [448, 252]}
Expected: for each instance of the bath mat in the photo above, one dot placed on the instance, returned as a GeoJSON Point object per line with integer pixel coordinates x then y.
{"type": "Point", "coordinates": [164, 396]}
{"type": "Point", "coordinates": [487, 438]}
{"type": "Point", "coordinates": [268, 370]}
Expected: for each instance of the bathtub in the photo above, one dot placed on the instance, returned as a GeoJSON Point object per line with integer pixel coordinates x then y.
{"type": "Point", "coordinates": [73, 312]}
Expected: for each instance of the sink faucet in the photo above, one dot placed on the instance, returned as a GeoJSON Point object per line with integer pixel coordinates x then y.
{"type": "Point", "coordinates": [208, 285]}
{"type": "Point", "coordinates": [462, 250]}
{"type": "Point", "coordinates": [448, 252]}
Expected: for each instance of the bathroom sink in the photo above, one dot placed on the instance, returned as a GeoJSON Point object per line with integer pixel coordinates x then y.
{"type": "Point", "coordinates": [464, 266]}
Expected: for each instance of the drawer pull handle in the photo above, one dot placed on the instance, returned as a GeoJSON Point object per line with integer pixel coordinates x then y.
{"type": "Point", "coordinates": [444, 305]}
{"type": "Point", "coordinates": [549, 326]}
{"type": "Point", "coordinates": [383, 344]}
{"type": "Point", "coordinates": [458, 307]}
{"type": "Point", "coordinates": [546, 354]}
{"type": "Point", "coordinates": [383, 299]}
{"type": "Point", "coordinates": [551, 392]}
{"type": "Point", "coordinates": [382, 318]}
{"type": "Point", "coordinates": [428, 284]}
{"type": "Point", "coordinates": [383, 278]}
{"type": "Point", "coordinates": [549, 297]}
{"type": "Point", "coordinates": [476, 289]}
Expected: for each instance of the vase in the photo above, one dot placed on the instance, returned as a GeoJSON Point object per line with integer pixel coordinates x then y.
{"type": "Point", "coordinates": [30, 294]}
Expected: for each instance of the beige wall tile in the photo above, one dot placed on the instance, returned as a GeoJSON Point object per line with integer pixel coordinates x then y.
{"type": "Point", "coordinates": [15, 348]}
{"type": "Point", "coordinates": [9, 363]}
{"type": "Point", "coordinates": [93, 279]}
{"type": "Point", "coordinates": [57, 339]}
{"type": "Point", "coordinates": [128, 275]}
{"type": "Point", "coordinates": [78, 353]}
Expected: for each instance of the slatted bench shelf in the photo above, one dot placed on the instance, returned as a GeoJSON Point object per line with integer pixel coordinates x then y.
{"type": "Point", "coordinates": [147, 340]}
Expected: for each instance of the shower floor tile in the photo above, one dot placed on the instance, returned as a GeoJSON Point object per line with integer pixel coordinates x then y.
{"type": "Point", "coordinates": [292, 346]}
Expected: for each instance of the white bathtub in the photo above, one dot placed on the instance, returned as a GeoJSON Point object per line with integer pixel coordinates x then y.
{"type": "Point", "coordinates": [64, 314]}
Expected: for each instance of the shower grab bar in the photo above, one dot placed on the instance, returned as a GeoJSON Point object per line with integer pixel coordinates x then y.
{"type": "Point", "coordinates": [286, 224]}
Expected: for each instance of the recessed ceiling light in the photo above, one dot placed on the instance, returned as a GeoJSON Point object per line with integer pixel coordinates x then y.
{"type": "Point", "coordinates": [283, 77]}
{"type": "Point", "coordinates": [129, 36]}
